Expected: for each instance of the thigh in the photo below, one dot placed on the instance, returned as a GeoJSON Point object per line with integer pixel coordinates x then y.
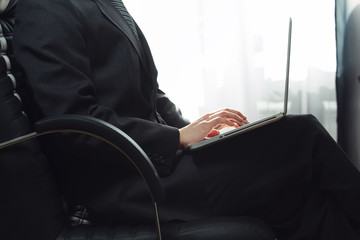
{"type": "Point", "coordinates": [295, 152]}
{"type": "Point", "coordinates": [251, 168]}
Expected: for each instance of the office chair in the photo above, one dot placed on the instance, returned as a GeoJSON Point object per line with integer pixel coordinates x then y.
{"type": "Point", "coordinates": [31, 205]}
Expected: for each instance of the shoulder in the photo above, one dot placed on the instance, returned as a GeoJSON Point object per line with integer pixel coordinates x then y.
{"type": "Point", "coordinates": [56, 8]}
{"type": "Point", "coordinates": [54, 17]}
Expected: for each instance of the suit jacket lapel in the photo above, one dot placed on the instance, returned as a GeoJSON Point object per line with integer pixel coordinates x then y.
{"type": "Point", "coordinates": [115, 17]}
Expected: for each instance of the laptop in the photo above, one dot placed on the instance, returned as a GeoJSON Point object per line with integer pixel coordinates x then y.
{"type": "Point", "coordinates": [251, 126]}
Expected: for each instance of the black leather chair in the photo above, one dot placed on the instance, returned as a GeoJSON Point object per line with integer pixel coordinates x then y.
{"type": "Point", "coordinates": [31, 206]}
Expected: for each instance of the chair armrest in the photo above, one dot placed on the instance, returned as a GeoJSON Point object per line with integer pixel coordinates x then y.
{"type": "Point", "coordinates": [111, 135]}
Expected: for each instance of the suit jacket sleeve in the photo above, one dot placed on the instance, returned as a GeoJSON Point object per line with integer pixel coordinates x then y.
{"type": "Point", "coordinates": [53, 50]}
{"type": "Point", "coordinates": [169, 111]}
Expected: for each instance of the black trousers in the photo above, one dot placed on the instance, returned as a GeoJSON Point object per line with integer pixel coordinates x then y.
{"type": "Point", "coordinates": [291, 174]}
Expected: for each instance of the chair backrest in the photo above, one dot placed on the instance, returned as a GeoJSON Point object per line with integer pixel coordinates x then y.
{"type": "Point", "coordinates": [30, 204]}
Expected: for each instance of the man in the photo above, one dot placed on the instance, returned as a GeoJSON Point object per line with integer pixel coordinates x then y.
{"type": "Point", "coordinates": [89, 57]}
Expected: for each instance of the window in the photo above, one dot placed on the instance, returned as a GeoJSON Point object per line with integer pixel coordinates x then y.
{"type": "Point", "coordinates": [231, 53]}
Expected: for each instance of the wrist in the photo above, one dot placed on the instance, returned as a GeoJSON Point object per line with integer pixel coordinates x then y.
{"type": "Point", "coordinates": [181, 145]}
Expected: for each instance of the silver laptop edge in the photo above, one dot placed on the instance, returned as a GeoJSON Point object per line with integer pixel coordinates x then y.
{"type": "Point", "coordinates": [287, 76]}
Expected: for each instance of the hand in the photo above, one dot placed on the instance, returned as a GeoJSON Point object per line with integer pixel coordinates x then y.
{"type": "Point", "coordinates": [210, 125]}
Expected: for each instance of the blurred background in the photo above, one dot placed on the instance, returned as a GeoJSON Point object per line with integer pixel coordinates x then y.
{"type": "Point", "coordinates": [232, 53]}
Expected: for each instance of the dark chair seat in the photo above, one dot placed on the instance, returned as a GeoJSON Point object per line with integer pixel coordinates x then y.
{"type": "Point", "coordinates": [219, 228]}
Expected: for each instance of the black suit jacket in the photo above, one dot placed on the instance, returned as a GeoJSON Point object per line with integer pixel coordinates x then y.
{"type": "Point", "coordinates": [81, 57]}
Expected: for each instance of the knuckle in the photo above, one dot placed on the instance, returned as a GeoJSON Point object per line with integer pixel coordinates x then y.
{"type": "Point", "coordinates": [206, 116]}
